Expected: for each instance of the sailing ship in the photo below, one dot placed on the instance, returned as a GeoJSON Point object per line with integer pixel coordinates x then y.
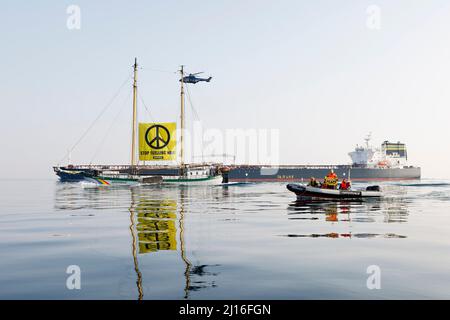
{"type": "Point", "coordinates": [135, 173]}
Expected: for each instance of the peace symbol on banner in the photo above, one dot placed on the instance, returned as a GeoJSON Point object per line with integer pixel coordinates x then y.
{"type": "Point", "coordinates": [160, 136]}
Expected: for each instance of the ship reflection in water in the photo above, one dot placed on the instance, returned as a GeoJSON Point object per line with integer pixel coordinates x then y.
{"type": "Point", "coordinates": [248, 241]}
{"type": "Point", "coordinates": [157, 230]}
{"type": "Point", "coordinates": [155, 225]}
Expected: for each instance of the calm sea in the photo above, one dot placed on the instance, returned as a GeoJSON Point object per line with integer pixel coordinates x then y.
{"type": "Point", "coordinates": [248, 241]}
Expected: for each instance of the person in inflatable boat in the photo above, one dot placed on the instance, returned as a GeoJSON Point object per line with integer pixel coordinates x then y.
{"type": "Point", "coordinates": [314, 183]}
{"type": "Point", "coordinates": [330, 181]}
{"type": "Point", "coordinates": [345, 185]}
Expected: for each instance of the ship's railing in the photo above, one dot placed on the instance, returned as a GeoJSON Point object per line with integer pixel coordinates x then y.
{"type": "Point", "coordinates": [113, 167]}
{"type": "Point", "coordinates": [121, 167]}
{"type": "Point", "coordinates": [125, 167]}
{"type": "Point", "coordinates": [294, 166]}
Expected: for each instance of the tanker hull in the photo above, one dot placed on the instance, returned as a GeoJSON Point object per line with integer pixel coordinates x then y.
{"type": "Point", "coordinates": [304, 173]}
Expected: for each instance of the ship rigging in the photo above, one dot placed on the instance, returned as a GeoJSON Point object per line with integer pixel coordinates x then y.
{"type": "Point", "coordinates": [135, 173]}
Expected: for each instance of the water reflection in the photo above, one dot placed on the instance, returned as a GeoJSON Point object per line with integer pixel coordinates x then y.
{"type": "Point", "coordinates": [346, 235]}
{"type": "Point", "coordinates": [157, 218]}
{"type": "Point", "coordinates": [188, 265]}
{"type": "Point", "coordinates": [157, 230]}
{"type": "Point", "coordinates": [134, 253]}
{"type": "Point", "coordinates": [334, 211]}
{"type": "Point", "coordinates": [392, 210]}
{"type": "Point", "coordinates": [155, 227]}
{"type": "Point", "coordinates": [166, 227]}
{"type": "Point", "coordinates": [155, 223]}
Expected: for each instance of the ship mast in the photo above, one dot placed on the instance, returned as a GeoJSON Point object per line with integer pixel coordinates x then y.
{"type": "Point", "coordinates": [133, 138]}
{"type": "Point", "coordinates": [182, 117]}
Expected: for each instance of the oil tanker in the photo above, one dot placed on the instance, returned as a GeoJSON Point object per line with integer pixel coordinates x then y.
{"type": "Point", "coordinates": [389, 162]}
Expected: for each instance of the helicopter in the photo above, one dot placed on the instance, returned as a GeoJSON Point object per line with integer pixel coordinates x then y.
{"type": "Point", "coordinates": [192, 78]}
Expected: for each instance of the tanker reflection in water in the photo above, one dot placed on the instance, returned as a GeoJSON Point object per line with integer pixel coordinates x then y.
{"type": "Point", "coordinates": [394, 211]}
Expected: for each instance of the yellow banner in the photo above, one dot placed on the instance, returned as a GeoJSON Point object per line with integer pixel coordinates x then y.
{"type": "Point", "coordinates": [157, 141]}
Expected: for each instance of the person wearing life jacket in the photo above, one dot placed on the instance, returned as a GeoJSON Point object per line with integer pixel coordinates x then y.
{"type": "Point", "coordinates": [331, 180]}
{"type": "Point", "coordinates": [345, 185]}
{"type": "Point", "coordinates": [313, 183]}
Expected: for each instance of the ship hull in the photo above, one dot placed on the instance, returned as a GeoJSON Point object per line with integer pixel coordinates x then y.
{"type": "Point", "coordinates": [126, 175]}
{"type": "Point", "coordinates": [287, 174]}
{"type": "Point", "coordinates": [269, 174]}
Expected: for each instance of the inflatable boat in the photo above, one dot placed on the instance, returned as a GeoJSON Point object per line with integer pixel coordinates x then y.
{"type": "Point", "coordinates": [303, 192]}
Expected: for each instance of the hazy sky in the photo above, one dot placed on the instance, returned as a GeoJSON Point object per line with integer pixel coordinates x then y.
{"type": "Point", "coordinates": [312, 69]}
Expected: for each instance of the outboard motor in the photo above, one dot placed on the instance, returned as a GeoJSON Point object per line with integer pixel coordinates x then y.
{"type": "Point", "coordinates": [373, 188]}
